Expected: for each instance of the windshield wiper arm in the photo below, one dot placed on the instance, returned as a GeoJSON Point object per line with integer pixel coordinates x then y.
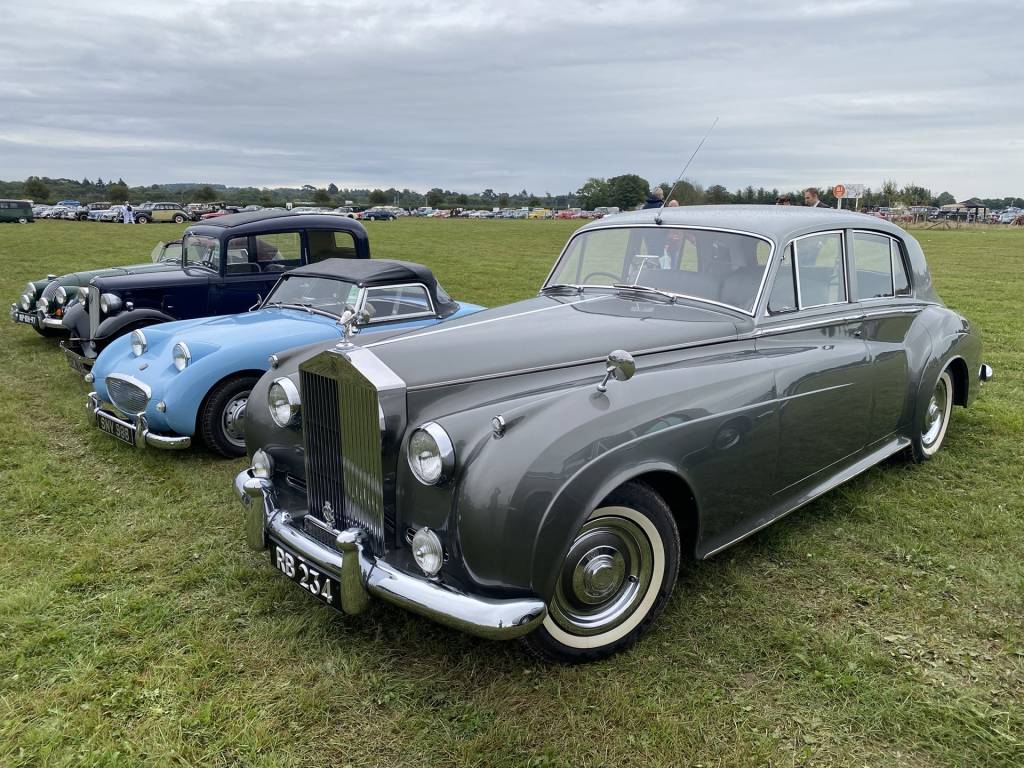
{"type": "Point", "coordinates": [562, 287]}
{"type": "Point", "coordinates": [644, 289]}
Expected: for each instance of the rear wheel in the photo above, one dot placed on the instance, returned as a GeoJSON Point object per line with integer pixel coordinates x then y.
{"type": "Point", "coordinates": [222, 416]}
{"type": "Point", "coordinates": [142, 220]}
{"type": "Point", "coordinates": [615, 580]}
{"type": "Point", "coordinates": [932, 432]}
{"type": "Point", "coordinates": [179, 219]}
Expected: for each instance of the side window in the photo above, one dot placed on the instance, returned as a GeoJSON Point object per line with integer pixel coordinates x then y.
{"type": "Point", "coordinates": [783, 295]}
{"type": "Point", "coordinates": [328, 244]}
{"type": "Point", "coordinates": [238, 257]}
{"type": "Point", "coordinates": [901, 281]}
{"type": "Point", "coordinates": [172, 253]}
{"type": "Point", "coordinates": [871, 266]}
{"type": "Point", "coordinates": [819, 268]}
{"type": "Point", "coordinates": [278, 251]}
{"type": "Point", "coordinates": [392, 302]}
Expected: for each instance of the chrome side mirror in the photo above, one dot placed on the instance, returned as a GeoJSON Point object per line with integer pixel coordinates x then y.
{"type": "Point", "coordinates": [620, 366]}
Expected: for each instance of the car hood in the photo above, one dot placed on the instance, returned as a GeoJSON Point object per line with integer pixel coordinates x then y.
{"type": "Point", "coordinates": [273, 328]}
{"type": "Point", "coordinates": [167, 276]}
{"type": "Point", "coordinates": [550, 332]}
{"type": "Point", "coordinates": [83, 277]}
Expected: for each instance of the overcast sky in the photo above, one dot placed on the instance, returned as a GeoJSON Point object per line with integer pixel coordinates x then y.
{"type": "Point", "coordinates": [511, 95]}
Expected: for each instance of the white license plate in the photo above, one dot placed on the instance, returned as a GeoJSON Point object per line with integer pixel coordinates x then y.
{"type": "Point", "coordinates": [306, 576]}
{"type": "Point", "coordinates": [123, 432]}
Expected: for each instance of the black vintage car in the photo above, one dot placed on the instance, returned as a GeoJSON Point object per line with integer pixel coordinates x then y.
{"type": "Point", "coordinates": [228, 264]}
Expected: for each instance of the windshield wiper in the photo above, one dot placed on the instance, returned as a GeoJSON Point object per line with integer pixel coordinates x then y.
{"type": "Point", "coordinates": [567, 287]}
{"type": "Point", "coordinates": [644, 289]}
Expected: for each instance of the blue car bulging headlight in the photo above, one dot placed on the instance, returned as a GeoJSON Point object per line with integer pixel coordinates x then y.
{"type": "Point", "coordinates": [181, 356]}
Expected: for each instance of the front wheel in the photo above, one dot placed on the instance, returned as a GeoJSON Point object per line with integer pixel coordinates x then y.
{"type": "Point", "coordinates": [615, 580]}
{"type": "Point", "coordinates": [141, 220]}
{"type": "Point", "coordinates": [222, 416]}
{"type": "Point", "coordinates": [929, 437]}
{"type": "Point", "coordinates": [179, 219]}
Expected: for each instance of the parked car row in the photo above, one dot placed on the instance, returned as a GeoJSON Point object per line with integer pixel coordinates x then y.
{"type": "Point", "coordinates": [683, 378]}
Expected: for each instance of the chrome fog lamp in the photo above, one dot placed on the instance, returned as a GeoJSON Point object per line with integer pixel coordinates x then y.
{"type": "Point", "coordinates": [181, 355]}
{"type": "Point", "coordinates": [431, 454]}
{"type": "Point", "coordinates": [283, 402]}
{"type": "Point", "coordinates": [25, 302]}
{"type": "Point", "coordinates": [61, 296]}
{"type": "Point", "coordinates": [109, 302]}
{"type": "Point", "coordinates": [83, 293]}
{"type": "Point", "coordinates": [427, 551]}
{"type": "Point", "coordinates": [262, 465]}
{"type": "Point", "coordinates": [138, 342]}
{"type": "Point", "coordinates": [43, 303]}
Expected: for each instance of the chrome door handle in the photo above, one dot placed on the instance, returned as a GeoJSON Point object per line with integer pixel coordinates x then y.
{"type": "Point", "coordinates": [859, 332]}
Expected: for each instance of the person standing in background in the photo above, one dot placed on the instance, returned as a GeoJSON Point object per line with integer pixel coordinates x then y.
{"type": "Point", "coordinates": [655, 199]}
{"type": "Point", "coordinates": [129, 214]}
{"type": "Point", "coordinates": [812, 199]}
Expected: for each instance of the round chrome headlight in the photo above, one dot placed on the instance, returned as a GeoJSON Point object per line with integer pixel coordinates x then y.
{"type": "Point", "coordinates": [427, 551]}
{"type": "Point", "coordinates": [83, 293]}
{"type": "Point", "coordinates": [43, 303]}
{"type": "Point", "coordinates": [431, 454]}
{"type": "Point", "coordinates": [138, 341]}
{"type": "Point", "coordinates": [61, 296]}
{"type": "Point", "coordinates": [25, 302]}
{"type": "Point", "coordinates": [181, 356]}
{"type": "Point", "coordinates": [262, 464]}
{"type": "Point", "coordinates": [283, 402]}
{"type": "Point", "coordinates": [30, 290]}
{"type": "Point", "coordinates": [109, 302]}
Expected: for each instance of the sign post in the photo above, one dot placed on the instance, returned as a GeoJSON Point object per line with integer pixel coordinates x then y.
{"type": "Point", "coordinates": [848, 191]}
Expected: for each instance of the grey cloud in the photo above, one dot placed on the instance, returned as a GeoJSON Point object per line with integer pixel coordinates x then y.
{"type": "Point", "coordinates": [512, 95]}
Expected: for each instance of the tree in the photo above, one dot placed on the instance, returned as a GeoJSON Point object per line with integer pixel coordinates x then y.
{"type": "Point", "coordinates": [35, 189]}
{"type": "Point", "coordinates": [462, 199]}
{"type": "Point", "coordinates": [717, 195]}
{"type": "Point", "coordinates": [913, 194]}
{"type": "Point", "coordinates": [378, 197]}
{"type": "Point", "coordinates": [593, 194]}
{"type": "Point", "coordinates": [944, 198]}
{"type": "Point", "coordinates": [435, 197]}
{"type": "Point", "coordinates": [503, 200]}
{"type": "Point", "coordinates": [627, 191]}
{"type": "Point", "coordinates": [331, 189]}
{"type": "Point", "coordinates": [118, 191]}
{"type": "Point", "coordinates": [320, 197]}
{"type": "Point", "coordinates": [889, 191]}
{"type": "Point", "coordinates": [205, 194]}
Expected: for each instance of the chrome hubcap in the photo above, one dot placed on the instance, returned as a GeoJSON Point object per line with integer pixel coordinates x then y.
{"type": "Point", "coordinates": [604, 578]}
{"type": "Point", "coordinates": [233, 419]}
{"type": "Point", "coordinates": [935, 416]}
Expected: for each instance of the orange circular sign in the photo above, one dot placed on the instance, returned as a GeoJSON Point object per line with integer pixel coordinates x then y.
{"type": "Point", "coordinates": [838, 190]}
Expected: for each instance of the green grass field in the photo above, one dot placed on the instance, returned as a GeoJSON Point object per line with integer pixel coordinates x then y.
{"type": "Point", "coordinates": [879, 626]}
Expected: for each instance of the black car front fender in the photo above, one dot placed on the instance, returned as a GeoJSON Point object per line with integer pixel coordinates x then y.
{"type": "Point", "coordinates": [112, 327]}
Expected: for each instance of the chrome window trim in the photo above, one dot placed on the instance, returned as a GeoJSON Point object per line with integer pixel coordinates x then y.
{"type": "Point", "coordinates": [365, 295]}
{"type": "Point", "coordinates": [752, 312]}
{"type": "Point", "coordinates": [843, 257]}
{"type": "Point", "coordinates": [892, 268]}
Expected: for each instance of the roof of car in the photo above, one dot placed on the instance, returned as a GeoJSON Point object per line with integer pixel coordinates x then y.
{"type": "Point", "coordinates": [370, 271]}
{"type": "Point", "coordinates": [779, 222]}
{"type": "Point", "coordinates": [268, 221]}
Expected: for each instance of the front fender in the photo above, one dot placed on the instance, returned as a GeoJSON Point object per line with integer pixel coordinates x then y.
{"type": "Point", "coordinates": [114, 326]}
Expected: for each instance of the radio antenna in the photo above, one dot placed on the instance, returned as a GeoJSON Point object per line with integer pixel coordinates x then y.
{"type": "Point", "coordinates": [657, 218]}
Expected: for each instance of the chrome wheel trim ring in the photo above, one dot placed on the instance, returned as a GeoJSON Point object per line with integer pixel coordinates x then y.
{"type": "Point", "coordinates": [232, 419]}
{"type": "Point", "coordinates": [609, 581]}
{"type": "Point", "coordinates": [937, 415]}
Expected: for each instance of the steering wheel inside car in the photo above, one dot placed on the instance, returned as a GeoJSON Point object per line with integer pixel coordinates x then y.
{"type": "Point", "coordinates": [615, 278]}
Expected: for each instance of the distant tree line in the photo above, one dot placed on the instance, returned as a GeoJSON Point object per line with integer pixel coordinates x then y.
{"type": "Point", "coordinates": [625, 192]}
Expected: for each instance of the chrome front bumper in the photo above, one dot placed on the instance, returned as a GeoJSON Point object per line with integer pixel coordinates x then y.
{"type": "Point", "coordinates": [56, 323]}
{"type": "Point", "coordinates": [362, 575]}
{"type": "Point", "coordinates": [143, 437]}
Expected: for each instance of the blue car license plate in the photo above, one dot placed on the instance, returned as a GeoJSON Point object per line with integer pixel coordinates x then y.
{"type": "Point", "coordinates": [311, 579]}
{"type": "Point", "coordinates": [123, 432]}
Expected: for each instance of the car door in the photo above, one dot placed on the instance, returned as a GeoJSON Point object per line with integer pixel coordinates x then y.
{"type": "Point", "coordinates": [879, 282]}
{"type": "Point", "coordinates": [823, 380]}
{"type": "Point", "coordinates": [252, 265]}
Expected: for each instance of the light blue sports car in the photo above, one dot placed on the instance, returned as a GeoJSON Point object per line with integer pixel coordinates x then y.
{"type": "Point", "coordinates": [166, 384]}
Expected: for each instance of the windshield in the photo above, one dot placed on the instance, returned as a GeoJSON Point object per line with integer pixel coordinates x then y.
{"type": "Point", "coordinates": [721, 267]}
{"type": "Point", "coordinates": [321, 293]}
{"type": "Point", "coordinates": [201, 251]}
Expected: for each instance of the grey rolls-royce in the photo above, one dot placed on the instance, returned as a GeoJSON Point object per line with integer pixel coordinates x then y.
{"type": "Point", "coordinates": [685, 377]}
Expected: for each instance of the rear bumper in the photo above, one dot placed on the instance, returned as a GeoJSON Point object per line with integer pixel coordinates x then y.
{"type": "Point", "coordinates": [362, 575]}
{"type": "Point", "coordinates": [137, 424]}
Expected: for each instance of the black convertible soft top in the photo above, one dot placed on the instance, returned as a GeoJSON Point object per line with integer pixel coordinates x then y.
{"type": "Point", "coordinates": [376, 272]}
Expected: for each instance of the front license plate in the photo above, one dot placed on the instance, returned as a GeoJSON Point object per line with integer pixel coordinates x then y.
{"type": "Point", "coordinates": [78, 364]}
{"type": "Point", "coordinates": [305, 575]}
{"type": "Point", "coordinates": [111, 426]}
{"type": "Point", "coordinates": [25, 317]}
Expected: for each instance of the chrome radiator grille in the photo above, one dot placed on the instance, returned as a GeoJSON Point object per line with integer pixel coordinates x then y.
{"type": "Point", "coordinates": [94, 310]}
{"type": "Point", "coordinates": [344, 470]}
{"type": "Point", "coordinates": [128, 397]}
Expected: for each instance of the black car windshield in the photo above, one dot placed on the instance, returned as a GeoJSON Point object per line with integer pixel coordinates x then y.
{"type": "Point", "coordinates": [201, 251]}
{"type": "Point", "coordinates": [323, 293]}
{"type": "Point", "coordinates": [721, 267]}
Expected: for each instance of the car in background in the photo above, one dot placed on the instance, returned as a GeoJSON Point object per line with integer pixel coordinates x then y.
{"type": "Point", "coordinates": [44, 302]}
{"type": "Point", "coordinates": [228, 265]}
{"type": "Point", "coordinates": [378, 214]}
{"type": "Point", "coordinates": [91, 212]}
{"type": "Point", "coordinates": [685, 377]}
{"type": "Point", "coordinates": [166, 385]}
{"type": "Point", "coordinates": [19, 211]}
{"type": "Point", "coordinates": [162, 212]}
{"type": "Point", "coordinates": [69, 203]}
{"type": "Point", "coordinates": [113, 213]}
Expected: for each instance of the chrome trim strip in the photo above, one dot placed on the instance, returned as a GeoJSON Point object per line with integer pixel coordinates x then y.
{"type": "Point", "coordinates": [843, 256]}
{"type": "Point", "coordinates": [365, 296]}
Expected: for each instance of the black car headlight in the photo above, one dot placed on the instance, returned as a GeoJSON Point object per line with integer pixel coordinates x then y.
{"type": "Point", "coordinates": [109, 302]}
{"type": "Point", "coordinates": [25, 302]}
{"type": "Point", "coordinates": [60, 298]}
{"type": "Point", "coordinates": [42, 303]}
{"type": "Point", "coordinates": [431, 454]}
{"type": "Point", "coordinates": [284, 402]}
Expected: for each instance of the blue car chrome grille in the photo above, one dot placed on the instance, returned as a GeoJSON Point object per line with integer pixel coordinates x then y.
{"type": "Point", "coordinates": [128, 397]}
